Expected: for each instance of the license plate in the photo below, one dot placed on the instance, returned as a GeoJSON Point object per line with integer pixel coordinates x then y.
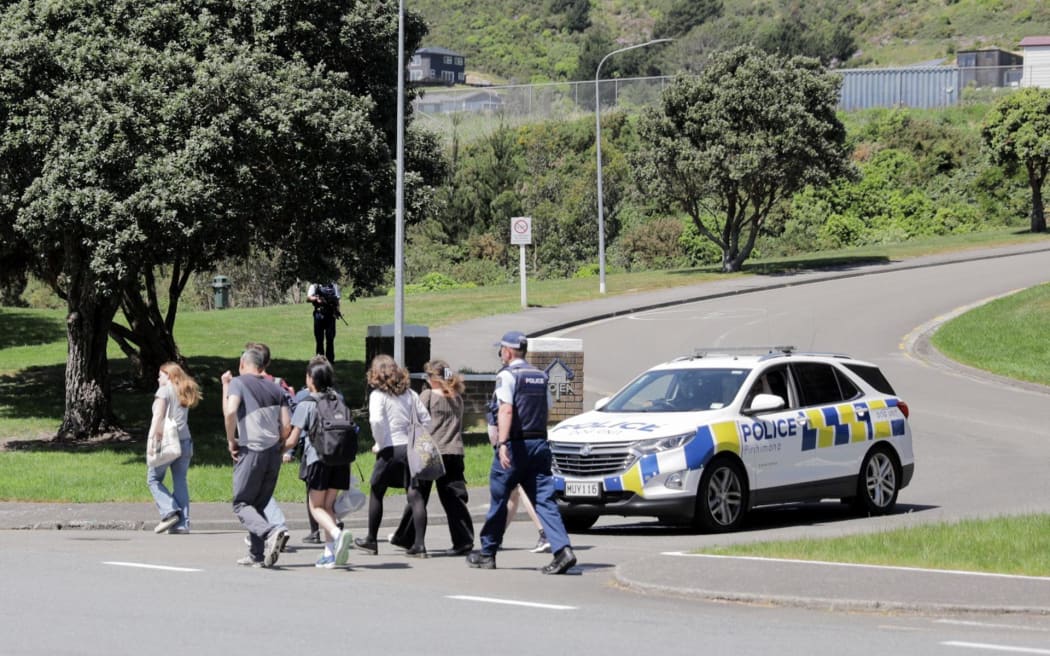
{"type": "Point", "coordinates": [582, 489]}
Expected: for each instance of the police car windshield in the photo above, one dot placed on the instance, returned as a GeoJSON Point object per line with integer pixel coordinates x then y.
{"type": "Point", "coordinates": [679, 390]}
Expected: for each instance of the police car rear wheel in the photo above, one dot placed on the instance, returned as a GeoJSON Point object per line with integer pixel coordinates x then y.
{"type": "Point", "coordinates": [878, 483]}
{"type": "Point", "coordinates": [721, 500]}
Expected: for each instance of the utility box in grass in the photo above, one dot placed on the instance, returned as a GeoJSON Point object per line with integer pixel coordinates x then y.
{"type": "Point", "coordinates": [380, 340]}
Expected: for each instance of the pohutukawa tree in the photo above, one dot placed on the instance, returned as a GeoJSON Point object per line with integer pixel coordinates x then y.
{"type": "Point", "coordinates": [145, 135]}
{"type": "Point", "coordinates": [729, 145]}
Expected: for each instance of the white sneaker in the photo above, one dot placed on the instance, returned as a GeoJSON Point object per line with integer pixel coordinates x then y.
{"type": "Point", "coordinates": [273, 547]}
{"type": "Point", "coordinates": [342, 547]}
{"type": "Point", "coordinates": [169, 520]}
{"type": "Point", "coordinates": [542, 545]}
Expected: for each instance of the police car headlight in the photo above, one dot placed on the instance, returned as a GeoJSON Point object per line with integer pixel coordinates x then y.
{"type": "Point", "coordinates": [646, 447]}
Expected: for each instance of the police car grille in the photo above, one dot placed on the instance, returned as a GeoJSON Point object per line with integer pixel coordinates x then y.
{"type": "Point", "coordinates": [603, 459]}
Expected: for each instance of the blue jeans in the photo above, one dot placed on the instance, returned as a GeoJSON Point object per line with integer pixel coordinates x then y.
{"type": "Point", "coordinates": [530, 467]}
{"type": "Point", "coordinates": [179, 499]}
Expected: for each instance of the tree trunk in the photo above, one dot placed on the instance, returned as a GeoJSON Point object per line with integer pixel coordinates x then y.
{"type": "Point", "coordinates": [149, 342]}
{"type": "Point", "coordinates": [1038, 215]}
{"type": "Point", "coordinates": [88, 411]}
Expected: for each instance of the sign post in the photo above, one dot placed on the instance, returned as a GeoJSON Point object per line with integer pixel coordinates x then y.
{"type": "Point", "coordinates": [521, 234]}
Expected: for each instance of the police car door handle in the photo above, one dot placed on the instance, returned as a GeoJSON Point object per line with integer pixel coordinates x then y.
{"type": "Point", "coordinates": [801, 421]}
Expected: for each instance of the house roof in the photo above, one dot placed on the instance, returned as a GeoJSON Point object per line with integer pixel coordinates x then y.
{"type": "Point", "coordinates": [430, 50]}
{"type": "Point", "coordinates": [1035, 41]}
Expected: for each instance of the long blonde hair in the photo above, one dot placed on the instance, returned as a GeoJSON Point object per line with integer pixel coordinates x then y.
{"type": "Point", "coordinates": [441, 375]}
{"type": "Point", "coordinates": [186, 389]}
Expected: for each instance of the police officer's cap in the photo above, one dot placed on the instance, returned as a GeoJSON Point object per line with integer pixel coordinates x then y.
{"type": "Point", "coordinates": [515, 339]}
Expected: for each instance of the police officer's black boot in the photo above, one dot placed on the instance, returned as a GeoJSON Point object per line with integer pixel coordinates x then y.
{"type": "Point", "coordinates": [563, 562]}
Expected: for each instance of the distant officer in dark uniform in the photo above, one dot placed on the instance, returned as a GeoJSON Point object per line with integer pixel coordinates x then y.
{"type": "Point", "coordinates": [325, 299]}
{"type": "Point", "coordinates": [522, 457]}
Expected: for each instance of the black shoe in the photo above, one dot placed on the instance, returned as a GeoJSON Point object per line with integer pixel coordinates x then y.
{"type": "Point", "coordinates": [479, 560]}
{"type": "Point", "coordinates": [416, 552]}
{"type": "Point", "coordinates": [459, 551]}
{"type": "Point", "coordinates": [563, 562]}
{"type": "Point", "coordinates": [313, 538]}
{"type": "Point", "coordinates": [398, 543]}
{"type": "Point", "coordinates": [367, 546]}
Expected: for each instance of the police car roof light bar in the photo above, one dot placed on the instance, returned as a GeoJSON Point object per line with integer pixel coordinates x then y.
{"type": "Point", "coordinates": [702, 352]}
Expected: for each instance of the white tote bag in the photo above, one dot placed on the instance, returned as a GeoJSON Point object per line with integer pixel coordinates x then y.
{"type": "Point", "coordinates": [167, 448]}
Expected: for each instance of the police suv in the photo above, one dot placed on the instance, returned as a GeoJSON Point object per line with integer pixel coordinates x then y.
{"type": "Point", "coordinates": [705, 438]}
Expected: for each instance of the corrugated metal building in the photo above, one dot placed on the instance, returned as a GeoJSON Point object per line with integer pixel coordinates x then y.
{"type": "Point", "coordinates": [899, 87]}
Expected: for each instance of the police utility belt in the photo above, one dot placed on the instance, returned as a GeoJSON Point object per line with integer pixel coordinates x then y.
{"type": "Point", "coordinates": [527, 435]}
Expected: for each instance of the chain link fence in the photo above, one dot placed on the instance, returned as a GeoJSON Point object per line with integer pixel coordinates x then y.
{"type": "Point", "coordinates": [475, 112]}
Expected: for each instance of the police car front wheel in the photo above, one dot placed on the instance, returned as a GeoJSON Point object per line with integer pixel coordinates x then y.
{"type": "Point", "coordinates": [578, 523]}
{"type": "Point", "coordinates": [721, 498]}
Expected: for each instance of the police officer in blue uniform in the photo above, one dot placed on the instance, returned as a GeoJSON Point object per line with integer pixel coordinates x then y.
{"type": "Point", "coordinates": [522, 457]}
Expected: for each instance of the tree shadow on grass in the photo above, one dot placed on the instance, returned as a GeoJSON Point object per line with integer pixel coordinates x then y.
{"type": "Point", "coordinates": [23, 328]}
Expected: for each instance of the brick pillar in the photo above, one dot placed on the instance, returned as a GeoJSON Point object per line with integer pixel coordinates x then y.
{"type": "Point", "coordinates": [562, 359]}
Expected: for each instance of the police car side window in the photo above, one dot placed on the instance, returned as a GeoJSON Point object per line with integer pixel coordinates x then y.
{"type": "Point", "coordinates": [773, 381]}
{"type": "Point", "coordinates": [818, 384]}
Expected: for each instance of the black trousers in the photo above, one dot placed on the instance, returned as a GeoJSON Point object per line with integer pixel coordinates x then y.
{"type": "Point", "coordinates": [324, 336]}
{"type": "Point", "coordinates": [452, 492]}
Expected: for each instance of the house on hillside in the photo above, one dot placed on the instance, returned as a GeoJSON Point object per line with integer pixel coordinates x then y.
{"type": "Point", "coordinates": [989, 67]}
{"type": "Point", "coordinates": [1036, 61]}
{"type": "Point", "coordinates": [437, 66]}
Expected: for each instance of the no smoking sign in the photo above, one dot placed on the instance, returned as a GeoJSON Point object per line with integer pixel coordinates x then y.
{"type": "Point", "coordinates": [521, 230]}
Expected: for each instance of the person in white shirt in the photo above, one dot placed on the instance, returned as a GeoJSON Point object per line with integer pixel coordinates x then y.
{"type": "Point", "coordinates": [393, 411]}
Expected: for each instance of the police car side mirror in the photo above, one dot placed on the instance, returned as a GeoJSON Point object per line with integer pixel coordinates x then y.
{"type": "Point", "coordinates": [765, 403]}
{"type": "Point", "coordinates": [600, 403]}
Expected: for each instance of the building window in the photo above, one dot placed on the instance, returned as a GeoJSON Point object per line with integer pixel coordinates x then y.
{"type": "Point", "coordinates": [448, 76]}
{"type": "Point", "coordinates": [447, 59]}
{"type": "Point", "coordinates": [459, 61]}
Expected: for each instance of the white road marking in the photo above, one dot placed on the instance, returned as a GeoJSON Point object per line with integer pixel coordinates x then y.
{"type": "Point", "coordinates": [989, 647]}
{"type": "Point", "coordinates": [511, 602]}
{"type": "Point", "coordinates": [861, 565]}
{"type": "Point", "coordinates": [165, 568]}
{"type": "Point", "coordinates": [993, 625]}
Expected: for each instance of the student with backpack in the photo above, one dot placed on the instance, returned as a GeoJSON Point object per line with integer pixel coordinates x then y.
{"type": "Point", "coordinates": [329, 436]}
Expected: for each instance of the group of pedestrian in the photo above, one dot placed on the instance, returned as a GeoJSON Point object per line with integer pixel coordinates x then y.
{"type": "Point", "coordinates": [262, 430]}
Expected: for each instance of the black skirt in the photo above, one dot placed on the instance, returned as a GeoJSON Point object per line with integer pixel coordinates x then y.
{"type": "Point", "coordinates": [320, 476]}
{"type": "Point", "coordinates": [391, 468]}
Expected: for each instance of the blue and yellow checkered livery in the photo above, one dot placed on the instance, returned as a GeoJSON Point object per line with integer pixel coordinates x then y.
{"type": "Point", "coordinates": [850, 422]}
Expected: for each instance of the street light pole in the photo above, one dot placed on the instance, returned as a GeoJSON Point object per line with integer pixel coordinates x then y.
{"type": "Point", "coordinates": [399, 204]}
{"type": "Point", "coordinates": [598, 148]}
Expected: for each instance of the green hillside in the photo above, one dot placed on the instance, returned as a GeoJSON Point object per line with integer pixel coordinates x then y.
{"type": "Point", "coordinates": [524, 41]}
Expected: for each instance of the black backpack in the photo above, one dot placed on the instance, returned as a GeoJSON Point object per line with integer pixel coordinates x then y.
{"type": "Point", "coordinates": [333, 433]}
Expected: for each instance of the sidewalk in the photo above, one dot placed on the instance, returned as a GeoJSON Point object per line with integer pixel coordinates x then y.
{"type": "Point", "coordinates": [810, 585]}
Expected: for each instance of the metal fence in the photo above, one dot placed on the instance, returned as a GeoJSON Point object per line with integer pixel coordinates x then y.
{"type": "Point", "coordinates": [479, 110]}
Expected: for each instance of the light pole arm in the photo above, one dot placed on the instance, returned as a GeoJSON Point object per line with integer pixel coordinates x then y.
{"type": "Point", "coordinates": [598, 150]}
